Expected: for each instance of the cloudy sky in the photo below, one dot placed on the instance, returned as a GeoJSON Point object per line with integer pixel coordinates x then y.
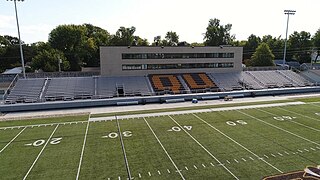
{"type": "Point", "coordinates": [189, 18]}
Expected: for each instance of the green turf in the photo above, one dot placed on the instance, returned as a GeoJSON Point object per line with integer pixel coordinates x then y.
{"type": "Point", "coordinates": [247, 144]}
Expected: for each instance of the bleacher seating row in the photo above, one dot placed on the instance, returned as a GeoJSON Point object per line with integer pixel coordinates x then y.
{"type": "Point", "coordinates": [69, 88]}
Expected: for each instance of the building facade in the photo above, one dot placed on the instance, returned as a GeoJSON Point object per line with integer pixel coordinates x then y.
{"type": "Point", "coordinates": [141, 61]}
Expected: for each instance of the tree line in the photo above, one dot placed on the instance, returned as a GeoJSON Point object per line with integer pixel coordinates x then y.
{"type": "Point", "coordinates": [76, 46]}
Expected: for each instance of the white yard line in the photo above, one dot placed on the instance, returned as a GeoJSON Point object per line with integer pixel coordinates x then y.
{"type": "Point", "coordinates": [312, 128]}
{"type": "Point", "coordinates": [45, 145]}
{"type": "Point", "coordinates": [242, 146]}
{"type": "Point", "coordinates": [204, 148]}
{"type": "Point", "coordinates": [279, 128]}
{"type": "Point", "coordinates": [12, 140]}
{"type": "Point", "coordinates": [83, 146]}
{"type": "Point", "coordinates": [300, 114]}
{"type": "Point", "coordinates": [164, 149]}
{"type": "Point", "coordinates": [124, 151]}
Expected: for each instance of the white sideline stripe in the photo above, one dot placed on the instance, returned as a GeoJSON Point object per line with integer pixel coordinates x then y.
{"type": "Point", "coordinates": [254, 154]}
{"type": "Point", "coordinates": [45, 145]}
{"type": "Point", "coordinates": [300, 114]}
{"type": "Point", "coordinates": [315, 129]}
{"type": "Point", "coordinates": [132, 116]}
{"type": "Point", "coordinates": [12, 140]}
{"type": "Point", "coordinates": [279, 128]}
{"type": "Point", "coordinates": [38, 125]}
{"type": "Point", "coordinates": [204, 148]}
{"type": "Point", "coordinates": [82, 151]}
{"type": "Point", "coordinates": [164, 149]}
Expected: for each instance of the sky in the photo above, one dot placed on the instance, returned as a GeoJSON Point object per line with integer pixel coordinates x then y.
{"type": "Point", "coordinates": [188, 18]}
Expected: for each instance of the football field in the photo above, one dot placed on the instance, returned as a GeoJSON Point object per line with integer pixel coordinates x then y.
{"type": "Point", "coordinates": [229, 144]}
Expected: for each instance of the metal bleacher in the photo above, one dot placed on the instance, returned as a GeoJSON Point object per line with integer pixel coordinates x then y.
{"type": "Point", "coordinates": [25, 90]}
{"type": "Point", "coordinates": [227, 81]}
{"type": "Point", "coordinates": [69, 88]}
{"type": "Point", "coordinates": [134, 85]}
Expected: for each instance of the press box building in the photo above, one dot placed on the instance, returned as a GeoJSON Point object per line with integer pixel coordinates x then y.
{"type": "Point", "coordinates": [141, 61]}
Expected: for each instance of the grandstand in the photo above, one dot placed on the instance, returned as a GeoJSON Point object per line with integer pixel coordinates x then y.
{"type": "Point", "coordinates": [145, 74]}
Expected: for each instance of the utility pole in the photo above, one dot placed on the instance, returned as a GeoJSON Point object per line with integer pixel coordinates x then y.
{"type": "Point", "coordinates": [20, 43]}
{"type": "Point", "coordinates": [286, 12]}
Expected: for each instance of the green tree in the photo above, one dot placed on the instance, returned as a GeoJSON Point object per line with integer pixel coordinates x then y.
{"type": "Point", "coordinates": [300, 46]}
{"type": "Point", "coordinates": [316, 43]}
{"type": "Point", "coordinates": [172, 38]}
{"type": "Point", "coordinates": [276, 45]}
{"type": "Point", "coordinates": [79, 43]}
{"type": "Point", "coordinates": [250, 46]}
{"type": "Point", "coordinates": [123, 37]}
{"type": "Point", "coordinates": [262, 56]}
{"type": "Point", "coordinates": [217, 34]}
{"type": "Point", "coordinates": [48, 60]}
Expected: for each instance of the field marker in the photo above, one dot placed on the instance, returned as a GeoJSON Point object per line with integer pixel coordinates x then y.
{"type": "Point", "coordinates": [279, 128]}
{"type": "Point", "coordinates": [228, 162]}
{"type": "Point", "coordinates": [286, 152]}
{"type": "Point", "coordinates": [159, 172]}
{"type": "Point", "coordinates": [205, 166]}
{"type": "Point", "coordinates": [306, 150]}
{"type": "Point", "coordinates": [45, 145]}
{"type": "Point", "coordinates": [266, 156]}
{"type": "Point", "coordinates": [293, 153]}
{"type": "Point", "coordinates": [273, 155]}
{"type": "Point", "coordinates": [12, 140]}
{"type": "Point", "coordinates": [203, 147]}
{"type": "Point", "coordinates": [312, 149]}
{"type": "Point", "coordinates": [238, 143]}
{"type": "Point", "coordinates": [312, 128]}
{"type": "Point", "coordinates": [299, 114]}
{"type": "Point", "coordinates": [244, 159]}
{"type": "Point", "coordinates": [186, 168]}
{"type": "Point", "coordinates": [149, 173]}
{"type": "Point", "coordinates": [318, 147]}
{"type": "Point", "coordinates": [195, 166]}
{"type": "Point", "coordinates": [251, 158]}
{"type": "Point", "coordinates": [236, 160]}
{"type": "Point", "coordinates": [139, 175]}
{"type": "Point", "coordinates": [83, 146]}
{"type": "Point", "coordinates": [280, 154]}
{"type": "Point", "coordinates": [300, 151]}
{"type": "Point", "coordinates": [164, 149]}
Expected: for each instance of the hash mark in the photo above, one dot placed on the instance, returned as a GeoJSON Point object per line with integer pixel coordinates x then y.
{"type": "Point", "coordinates": [251, 158]}
{"type": "Point", "coordinates": [312, 149]}
{"type": "Point", "coordinates": [306, 150]}
{"type": "Point", "coordinates": [286, 152]}
{"type": "Point", "coordinates": [195, 166]}
{"type": "Point", "coordinates": [236, 160]}
{"type": "Point", "coordinates": [168, 171]}
{"type": "Point", "coordinates": [149, 173]}
{"type": "Point", "coordinates": [228, 162]}
{"type": "Point", "coordinates": [273, 155]}
{"type": "Point", "coordinates": [139, 175]}
{"type": "Point", "coordinates": [318, 147]}
{"type": "Point", "coordinates": [212, 164]}
{"type": "Point", "coordinates": [159, 172]}
{"type": "Point", "coordinates": [266, 156]}
{"type": "Point", "coordinates": [300, 150]}
{"type": "Point", "coordinates": [203, 165]}
{"type": "Point", "coordinates": [244, 159]}
{"type": "Point", "coordinates": [280, 154]}
{"type": "Point", "coordinates": [186, 168]}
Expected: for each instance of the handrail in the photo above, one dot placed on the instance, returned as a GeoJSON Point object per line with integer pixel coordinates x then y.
{"type": "Point", "coordinates": [15, 79]}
